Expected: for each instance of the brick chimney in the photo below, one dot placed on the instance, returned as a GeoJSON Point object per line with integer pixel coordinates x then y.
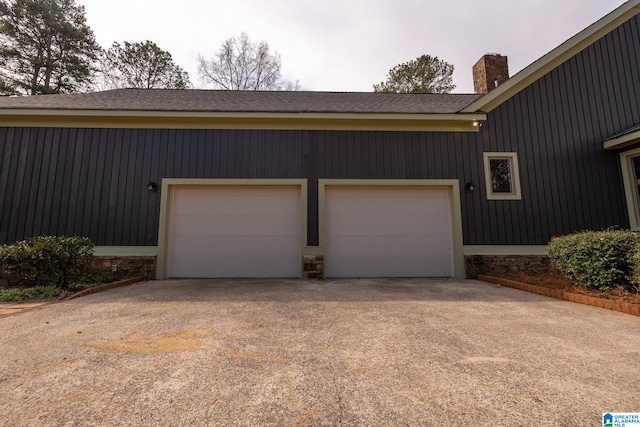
{"type": "Point", "coordinates": [489, 72]}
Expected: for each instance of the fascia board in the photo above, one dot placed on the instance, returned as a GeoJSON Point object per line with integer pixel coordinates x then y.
{"type": "Point", "coordinates": [622, 141]}
{"type": "Point", "coordinates": [239, 115]}
{"type": "Point", "coordinates": [468, 122]}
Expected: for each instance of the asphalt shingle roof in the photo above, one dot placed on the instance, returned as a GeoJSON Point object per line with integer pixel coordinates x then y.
{"type": "Point", "coordinates": [193, 100]}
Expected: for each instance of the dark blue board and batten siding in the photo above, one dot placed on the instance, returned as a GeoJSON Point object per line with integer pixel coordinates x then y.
{"type": "Point", "coordinates": [92, 182]}
{"type": "Point", "coordinates": [557, 125]}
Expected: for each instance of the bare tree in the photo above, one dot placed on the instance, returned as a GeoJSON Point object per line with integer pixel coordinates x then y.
{"type": "Point", "coordinates": [139, 65]}
{"type": "Point", "coordinates": [241, 64]}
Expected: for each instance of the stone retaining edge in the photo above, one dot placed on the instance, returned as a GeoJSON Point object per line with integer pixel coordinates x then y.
{"type": "Point", "coordinates": [105, 287]}
{"type": "Point", "coordinates": [32, 306]}
{"type": "Point", "coordinates": [622, 307]}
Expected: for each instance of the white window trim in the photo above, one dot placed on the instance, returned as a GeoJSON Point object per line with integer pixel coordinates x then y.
{"type": "Point", "coordinates": [633, 204]}
{"type": "Point", "coordinates": [515, 176]}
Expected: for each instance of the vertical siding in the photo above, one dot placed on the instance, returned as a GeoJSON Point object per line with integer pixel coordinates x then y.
{"type": "Point", "coordinates": [93, 181]}
{"type": "Point", "coordinates": [558, 126]}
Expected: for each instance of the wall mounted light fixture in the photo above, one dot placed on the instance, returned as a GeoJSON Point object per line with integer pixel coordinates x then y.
{"type": "Point", "coordinates": [152, 186]}
{"type": "Point", "coordinates": [470, 186]}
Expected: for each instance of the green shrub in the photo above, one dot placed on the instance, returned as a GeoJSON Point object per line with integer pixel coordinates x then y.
{"type": "Point", "coordinates": [46, 259]}
{"type": "Point", "coordinates": [634, 260]}
{"type": "Point", "coordinates": [594, 259]}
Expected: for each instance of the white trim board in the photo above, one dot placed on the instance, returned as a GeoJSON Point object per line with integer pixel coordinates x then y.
{"type": "Point", "coordinates": [125, 251]}
{"type": "Point", "coordinates": [622, 141]}
{"type": "Point", "coordinates": [630, 192]}
{"type": "Point", "coordinates": [319, 250]}
{"type": "Point", "coordinates": [504, 249]}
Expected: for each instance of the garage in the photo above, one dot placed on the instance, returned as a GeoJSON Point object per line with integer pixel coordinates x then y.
{"type": "Point", "coordinates": [234, 231]}
{"type": "Point", "coordinates": [388, 231]}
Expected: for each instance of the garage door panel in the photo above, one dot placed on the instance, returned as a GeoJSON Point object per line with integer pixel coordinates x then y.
{"type": "Point", "coordinates": [388, 232]}
{"type": "Point", "coordinates": [235, 225]}
{"type": "Point", "coordinates": [263, 206]}
{"type": "Point", "coordinates": [217, 207]}
{"type": "Point", "coordinates": [227, 267]}
{"type": "Point", "coordinates": [387, 225]}
{"type": "Point", "coordinates": [235, 246]}
{"type": "Point", "coordinates": [234, 231]}
{"type": "Point", "coordinates": [219, 201]}
{"type": "Point", "coordinates": [385, 202]}
{"type": "Point", "coordinates": [395, 245]}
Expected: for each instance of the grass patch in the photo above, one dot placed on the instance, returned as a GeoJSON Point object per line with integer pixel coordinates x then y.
{"type": "Point", "coordinates": [52, 291]}
{"type": "Point", "coordinates": [33, 293]}
{"type": "Point", "coordinates": [85, 282]}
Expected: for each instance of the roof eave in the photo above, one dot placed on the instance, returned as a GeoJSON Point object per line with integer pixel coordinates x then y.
{"type": "Point", "coordinates": [555, 58]}
{"type": "Point", "coordinates": [452, 122]}
{"type": "Point", "coordinates": [622, 141]}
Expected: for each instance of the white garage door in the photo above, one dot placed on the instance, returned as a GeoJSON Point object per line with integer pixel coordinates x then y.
{"type": "Point", "coordinates": [234, 232]}
{"type": "Point", "coordinates": [388, 232]}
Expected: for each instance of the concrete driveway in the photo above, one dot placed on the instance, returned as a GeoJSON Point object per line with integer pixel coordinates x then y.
{"type": "Point", "coordinates": [344, 352]}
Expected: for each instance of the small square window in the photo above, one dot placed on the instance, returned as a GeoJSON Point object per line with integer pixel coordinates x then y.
{"type": "Point", "coordinates": [502, 176]}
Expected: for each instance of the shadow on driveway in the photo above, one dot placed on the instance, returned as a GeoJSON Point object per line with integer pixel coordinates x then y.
{"type": "Point", "coordinates": [384, 289]}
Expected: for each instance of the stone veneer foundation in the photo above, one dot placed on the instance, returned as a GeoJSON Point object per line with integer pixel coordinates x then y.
{"type": "Point", "coordinates": [313, 267]}
{"type": "Point", "coordinates": [124, 267]}
{"type": "Point", "coordinates": [498, 264]}
{"type": "Point", "coordinates": [145, 266]}
{"type": "Point", "coordinates": [117, 267]}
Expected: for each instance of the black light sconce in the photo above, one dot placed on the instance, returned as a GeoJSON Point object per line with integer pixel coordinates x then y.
{"type": "Point", "coordinates": [152, 186]}
{"type": "Point", "coordinates": [470, 186]}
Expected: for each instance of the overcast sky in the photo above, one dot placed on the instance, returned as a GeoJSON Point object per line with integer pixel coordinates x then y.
{"type": "Point", "coordinates": [348, 45]}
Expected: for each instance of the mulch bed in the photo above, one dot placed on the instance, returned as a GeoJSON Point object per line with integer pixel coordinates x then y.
{"type": "Point", "coordinates": [554, 280]}
{"type": "Point", "coordinates": [552, 284]}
